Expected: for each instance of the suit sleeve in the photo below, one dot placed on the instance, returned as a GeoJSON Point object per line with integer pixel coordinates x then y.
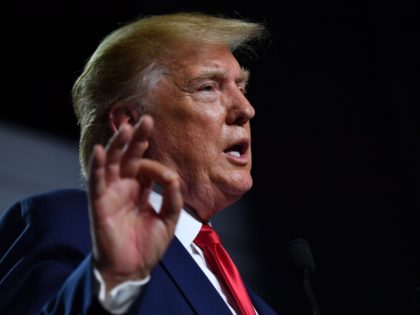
{"type": "Point", "coordinates": [45, 265]}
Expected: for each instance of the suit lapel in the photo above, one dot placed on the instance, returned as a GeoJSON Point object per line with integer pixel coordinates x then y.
{"type": "Point", "coordinates": [192, 282]}
{"type": "Point", "coordinates": [261, 307]}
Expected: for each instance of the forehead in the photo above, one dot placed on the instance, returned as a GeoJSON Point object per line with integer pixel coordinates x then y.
{"type": "Point", "coordinates": [199, 60]}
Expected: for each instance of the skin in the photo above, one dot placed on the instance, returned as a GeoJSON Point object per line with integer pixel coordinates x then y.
{"type": "Point", "coordinates": [199, 112]}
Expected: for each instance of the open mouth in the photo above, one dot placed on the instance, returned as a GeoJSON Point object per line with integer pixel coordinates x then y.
{"type": "Point", "coordinates": [237, 150]}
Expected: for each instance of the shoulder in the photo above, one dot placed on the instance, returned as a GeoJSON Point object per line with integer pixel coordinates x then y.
{"type": "Point", "coordinates": [49, 205]}
{"type": "Point", "coordinates": [52, 201]}
{"type": "Point", "coordinates": [56, 215]}
{"type": "Point", "coordinates": [62, 197]}
{"type": "Point", "coordinates": [44, 238]}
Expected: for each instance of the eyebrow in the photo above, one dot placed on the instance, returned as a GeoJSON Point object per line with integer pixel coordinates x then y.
{"type": "Point", "coordinates": [217, 74]}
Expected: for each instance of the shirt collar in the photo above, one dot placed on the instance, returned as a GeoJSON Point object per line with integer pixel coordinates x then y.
{"type": "Point", "coordinates": [187, 227]}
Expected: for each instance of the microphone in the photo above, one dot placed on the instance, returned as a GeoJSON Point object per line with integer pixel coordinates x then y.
{"type": "Point", "coordinates": [302, 260]}
{"type": "Point", "coordinates": [415, 295]}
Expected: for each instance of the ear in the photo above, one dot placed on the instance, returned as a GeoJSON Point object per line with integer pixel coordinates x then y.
{"type": "Point", "coordinates": [123, 113]}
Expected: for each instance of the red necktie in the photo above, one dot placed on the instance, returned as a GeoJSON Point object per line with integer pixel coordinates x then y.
{"type": "Point", "coordinates": [222, 265]}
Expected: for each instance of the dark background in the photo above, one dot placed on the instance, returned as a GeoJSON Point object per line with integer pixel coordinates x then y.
{"type": "Point", "coordinates": [335, 137]}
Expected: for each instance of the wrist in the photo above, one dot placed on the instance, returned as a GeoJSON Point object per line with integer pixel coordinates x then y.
{"type": "Point", "coordinates": [120, 298]}
{"type": "Point", "coordinates": [112, 278]}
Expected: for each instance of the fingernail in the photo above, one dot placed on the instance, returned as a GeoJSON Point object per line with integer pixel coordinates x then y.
{"type": "Point", "coordinates": [169, 175]}
{"type": "Point", "coordinates": [123, 127]}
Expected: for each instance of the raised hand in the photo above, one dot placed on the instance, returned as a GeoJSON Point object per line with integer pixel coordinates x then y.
{"type": "Point", "coordinates": [129, 236]}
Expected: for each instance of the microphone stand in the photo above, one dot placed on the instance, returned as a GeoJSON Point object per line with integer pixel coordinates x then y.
{"type": "Point", "coordinates": [302, 260]}
{"type": "Point", "coordinates": [309, 292]}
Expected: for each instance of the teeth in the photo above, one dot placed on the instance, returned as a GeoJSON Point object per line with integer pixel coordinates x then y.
{"type": "Point", "coordinates": [235, 153]}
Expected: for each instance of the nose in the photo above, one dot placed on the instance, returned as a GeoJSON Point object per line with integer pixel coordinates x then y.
{"type": "Point", "coordinates": [240, 110]}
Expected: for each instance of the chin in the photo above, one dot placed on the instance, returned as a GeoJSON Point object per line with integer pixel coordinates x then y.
{"type": "Point", "coordinates": [239, 186]}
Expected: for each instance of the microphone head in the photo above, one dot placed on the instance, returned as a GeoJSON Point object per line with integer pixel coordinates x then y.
{"type": "Point", "coordinates": [415, 295]}
{"type": "Point", "coordinates": [301, 255]}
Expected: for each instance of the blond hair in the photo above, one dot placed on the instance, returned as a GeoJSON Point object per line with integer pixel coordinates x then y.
{"type": "Point", "coordinates": [130, 60]}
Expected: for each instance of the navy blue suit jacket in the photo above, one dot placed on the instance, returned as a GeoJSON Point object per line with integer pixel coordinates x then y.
{"type": "Point", "coordinates": [45, 266]}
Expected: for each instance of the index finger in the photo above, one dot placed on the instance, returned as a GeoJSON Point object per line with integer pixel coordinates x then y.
{"type": "Point", "coordinates": [137, 146]}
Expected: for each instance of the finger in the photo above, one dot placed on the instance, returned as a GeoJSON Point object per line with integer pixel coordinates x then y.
{"type": "Point", "coordinates": [137, 146]}
{"type": "Point", "coordinates": [150, 171]}
{"type": "Point", "coordinates": [145, 191]}
{"type": "Point", "coordinates": [172, 203]}
{"type": "Point", "coordinates": [96, 182]}
{"type": "Point", "coordinates": [115, 151]}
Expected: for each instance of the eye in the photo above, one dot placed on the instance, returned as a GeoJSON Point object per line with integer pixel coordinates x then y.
{"type": "Point", "coordinates": [207, 91]}
{"type": "Point", "coordinates": [207, 88]}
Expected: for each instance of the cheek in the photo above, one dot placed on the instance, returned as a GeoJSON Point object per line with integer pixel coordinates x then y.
{"type": "Point", "coordinates": [203, 135]}
{"type": "Point", "coordinates": [212, 114]}
{"type": "Point", "coordinates": [184, 149]}
{"type": "Point", "coordinates": [190, 134]}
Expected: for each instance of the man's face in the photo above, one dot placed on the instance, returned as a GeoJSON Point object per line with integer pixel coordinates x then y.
{"type": "Point", "coordinates": [202, 127]}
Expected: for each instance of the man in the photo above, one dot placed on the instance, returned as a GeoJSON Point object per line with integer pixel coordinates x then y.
{"type": "Point", "coordinates": [166, 96]}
